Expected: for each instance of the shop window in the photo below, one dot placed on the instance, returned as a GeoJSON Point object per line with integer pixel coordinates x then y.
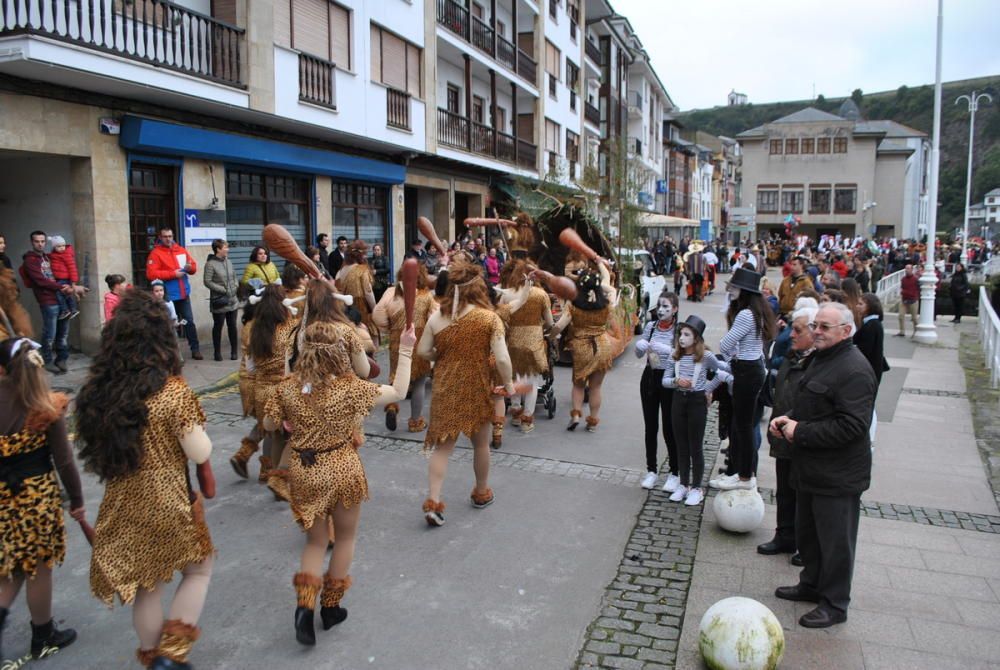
{"type": "Point", "coordinates": [359, 213]}
{"type": "Point", "coordinates": [255, 199]}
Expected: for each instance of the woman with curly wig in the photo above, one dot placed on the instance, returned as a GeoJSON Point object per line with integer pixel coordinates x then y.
{"type": "Point", "coordinates": [325, 404]}
{"type": "Point", "coordinates": [247, 382]}
{"type": "Point", "coordinates": [33, 446]}
{"type": "Point", "coordinates": [459, 339]}
{"type": "Point", "coordinates": [591, 344]}
{"type": "Point", "coordinates": [138, 424]}
{"type": "Point", "coordinates": [355, 279]}
{"type": "Point", "coordinates": [390, 317]}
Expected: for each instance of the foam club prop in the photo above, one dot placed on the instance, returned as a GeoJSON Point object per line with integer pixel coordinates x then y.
{"type": "Point", "coordinates": [562, 287]}
{"type": "Point", "coordinates": [426, 229]}
{"type": "Point", "coordinates": [409, 277]}
{"type": "Point", "coordinates": [477, 221]}
{"type": "Point", "coordinates": [206, 479]}
{"type": "Point", "coordinates": [571, 239]}
{"type": "Point", "coordinates": [280, 241]}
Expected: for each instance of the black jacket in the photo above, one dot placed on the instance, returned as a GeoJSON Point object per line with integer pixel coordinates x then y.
{"type": "Point", "coordinates": [870, 340]}
{"type": "Point", "coordinates": [336, 261]}
{"type": "Point", "coordinates": [833, 403]}
{"type": "Point", "coordinates": [792, 368]}
{"type": "Point", "coordinates": [959, 285]}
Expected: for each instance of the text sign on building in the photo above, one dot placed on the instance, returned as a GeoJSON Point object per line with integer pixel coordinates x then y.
{"type": "Point", "coordinates": [202, 226]}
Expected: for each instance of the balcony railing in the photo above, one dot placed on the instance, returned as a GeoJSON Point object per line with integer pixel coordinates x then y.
{"type": "Point", "coordinates": [152, 31]}
{"type": "Point", "coordinates": [480, 34]}
{"type": "Point", "coordinates": [459, 132]}
{"type": "Point", "coordinates": [397, 109]}
{"type": "Point", "coordinates": [316, 81]}
{"type": "Point", "coordinates": [506, 53]}
{"type": "Point", "coordinates": [591, 113]}
{"type": "Point", "coordinates": [593, 51]}
{"type": "Point", "coordinates": [454, 17]}
{"type": "Point", "coordinates": [527, 67]}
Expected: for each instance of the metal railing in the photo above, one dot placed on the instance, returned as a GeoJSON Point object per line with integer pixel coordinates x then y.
{"type": "Point", "coordinates": [527, 154]}
{"type": "Point", "coordinates": [592, 50]}
{"type": "Point", "coordinates": [454, 17]}
{"type": "Point", "coordinates": [317, 81]}
{"type": "Point", "coordinates": [460, 132]}
{"type": "Point", "coordinates": [453, 129]}
{"type": "Point", "coordinates": [989, 336]}
{"type": "Point", "coordinates": [397, 108]}
{"type": "Point", "coordinates": [506, 53]}
{"type": "Point", "coordinates": [527, 67]}
{"type": "Point", "coordinates": [887, 290]}
{"type": "Point", "coordinates": [591, 113]}
{"type": "Point", "coordinates": [152, 31]}
{"type": "Point", "coordinates": [482, 36]}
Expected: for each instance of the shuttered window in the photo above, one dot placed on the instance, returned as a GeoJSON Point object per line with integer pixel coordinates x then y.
{"type": "Point", "coordinates": [395, 62]}
{"type": "Point", "coordinates": [318, 27]}
{"type": "Point", "coordinates": [551, 136]}
{"type": "Point", "coordinates": [551, 59]}
{"type": "Point", "coordinates": [340, 36]}
{"type": "Point", "coordinates": [283, 23]}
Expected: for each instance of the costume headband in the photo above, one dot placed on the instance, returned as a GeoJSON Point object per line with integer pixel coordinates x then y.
{"type": "Point", "coordinates": [33, 356]}
{"type": "Point", "coordinates": [454, 301]}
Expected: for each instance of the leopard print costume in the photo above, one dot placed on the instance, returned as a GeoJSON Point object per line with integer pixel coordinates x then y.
{"type": "Point", "coordinates": [525, 339]}
{"type": "Point", "coordinates": [147, 527]}
{"type": "Point", "coordinates": [31, 521]}
{"type": "Point", "coordinates": [462, 400]}
{"type": "Point", "coordinates": [269, 373]}
{"type": "Point", "coordinates": [590, 342]}
{"type": "Point", "coordinates": [247, 378]}
{"type": "Point", "coordinates": [357, 283]}
{"type": "Point", "coordinates": [327, 425]}
{"type": "Point", "coordinates": [423, 306]}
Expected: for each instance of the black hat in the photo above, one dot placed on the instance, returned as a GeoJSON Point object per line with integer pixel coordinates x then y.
{"type": "Point", "coordinates": [696, 324]}
{"type": "Point", "coordinates": [746, 280]}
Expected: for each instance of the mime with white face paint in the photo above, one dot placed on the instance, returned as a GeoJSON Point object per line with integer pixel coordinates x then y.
{"type": "Point", "coordinates": [657, 345]}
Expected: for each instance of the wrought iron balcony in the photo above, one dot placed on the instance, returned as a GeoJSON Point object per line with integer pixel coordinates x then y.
{"type": "Point", "coordinates": [397, 109]}
{"type": "Point", "coordinates": [593, 51]}
{"type": "Point", "coordinates": [481, 35]}
{"type": "Point", "coordinates": [459, 132]}
{"type": "Point", "coordinates": [592, 114]}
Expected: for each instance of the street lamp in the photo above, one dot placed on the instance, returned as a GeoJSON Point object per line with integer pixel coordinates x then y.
{"type": "Point", "coordinates": [973, 101]}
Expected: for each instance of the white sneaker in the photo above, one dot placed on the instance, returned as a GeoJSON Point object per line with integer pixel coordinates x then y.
{"type": "Point", "coordinates": [679, 494]}
{"type": "Point", "coordinates": [737, 483]}
{"type": "Point", "coordinates": [673, 481]}
{"type": "Point", "coordinates": [649, 481]}
{"type": "Point", "coordinates": [718, 481]}
{"type": "Point", "coordinates": [694, 497]}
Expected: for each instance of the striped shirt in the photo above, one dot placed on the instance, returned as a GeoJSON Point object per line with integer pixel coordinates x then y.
{"type": "Point", "coordinates": [743, 341]}
{"type": "Point", "coordinates": [661, 345]}
{"type": "Point", "coordinates": [687, 368]}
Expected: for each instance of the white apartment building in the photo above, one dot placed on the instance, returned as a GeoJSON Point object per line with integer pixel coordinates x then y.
{"type": "Point", "coordinates": [992, 204]}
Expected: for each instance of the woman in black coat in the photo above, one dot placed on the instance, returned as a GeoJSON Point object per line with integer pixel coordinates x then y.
{"type": "Point", "coordinates": [959, 289]}
{"type": "Point", "coordinates": [870, 337]}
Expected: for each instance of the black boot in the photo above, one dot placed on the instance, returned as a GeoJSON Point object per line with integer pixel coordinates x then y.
{"type": "Point", "coordinates": [164, 663]}
{"type": "Point", "coordinates": [305, 627]}
{"type": "Point", "coordinates": [47, 636]}
{"type": "Point", "coordinates": [779, 545]}
{"type": "Point", "coordinates": [3, 622]}
{"type": "Point", "coordinates": [331, 616]}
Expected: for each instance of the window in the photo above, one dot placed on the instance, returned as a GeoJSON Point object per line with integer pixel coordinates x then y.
{"type": "Point", "coordinates": [572, 82]}
{"type": "Point", "coordinates": [553, 9]}
{"type": "Point", "coordinates": [819, 200]}
{"type": "Point", "coordinates": [359, 213]}
{"type": "Point", "coordinates": [791, 146]}
{"type": "Point", "coordinates": [572, 151]}
{"type": "Point", "coordinates": [552, 142]}
{"type": "Point", "coordinates": [791, 201]}
{"type": "Point", "coordinates": [501, 120]}
{"type": "Point", "coordinates": [775, 147]}
{"type": "Point", "coordinates": [501, 29]}
{"type": "Point", "coordinates": [477, 108]}
{"type": "Point", "coordinates": [767, 200]}
{"type": "Point", "coordinates": [845, 200]}
{"type": "Point", "coordinates": [322, 28]}
{"type": "Point", "coordinates": [808, 145]}
{"type": "Point", "coordinates": [840, 145]}
{"type": "Point", "coordinates": [552, 58]}
{"type": "Point", "coordinates": [573, 11]}
{"type": "Point", "coordinates": [453, 94]}
{"type": "Point", "coordinates": [395, 62]}
{"type": "Point", "coordinates": [477, 10]}
{"type": "Point", "coordinates": [823, 145]}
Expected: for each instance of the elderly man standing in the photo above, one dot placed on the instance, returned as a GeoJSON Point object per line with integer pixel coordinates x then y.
{"type": "Point", "coordinates": [827, 429]}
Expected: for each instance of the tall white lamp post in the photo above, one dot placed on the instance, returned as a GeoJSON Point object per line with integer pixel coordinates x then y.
{"type": "Point", "coordinates": [926, 332]}
{"type": "Point", "coordinates": [973, 100]}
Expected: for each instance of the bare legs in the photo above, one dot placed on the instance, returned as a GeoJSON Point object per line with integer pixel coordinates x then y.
{"type": "Point", "coordinates": [594, 382]}
{"type": "Point", "coordinates": [39, 594]}
{"type": "Point", "coordinates": [438, 463]}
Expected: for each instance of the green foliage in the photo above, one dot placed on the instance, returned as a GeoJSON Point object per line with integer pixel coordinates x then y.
{"type": "Point", "coordinates": [857, 95]}
{"type": "Point", "coordinates": [987, 177]}
{"type": "Point", "coordinates": [820, 100]}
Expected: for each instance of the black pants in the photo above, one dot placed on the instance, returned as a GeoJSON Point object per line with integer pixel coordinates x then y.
{"type": "Point", "coordinates": [959, 302]}
{"type": "Point", "coordinates": [689, 414]}
{"type": "Point", "coordinates": [697, 282]}
{"type": "Point", "coordinates": [656, 411]}
{"type": "Point", "coordinates": [784, 497]}
{"type": "Point", "coordinates": [183, 309]}
{"type": "Point", "coordinates": [826, 535]}
{"type": "Point", "coordinates": [229, 318]}
{"type": "Point", "coordinates": [748, 379]}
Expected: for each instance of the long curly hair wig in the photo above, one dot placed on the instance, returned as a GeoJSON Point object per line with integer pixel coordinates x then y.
{"type": "Point", "coordinates": [138, 354]}
{"type": "Point", "coordinates": [324, 353]}
{"type": "Point", "coordinates": [268, 315]}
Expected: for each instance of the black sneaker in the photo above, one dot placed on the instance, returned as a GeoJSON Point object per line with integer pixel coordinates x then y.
{"type": "Point", "coordinates": [63, 316]}
{"type": "Point", "coordinates": [61, 366]}
{"type": "Point", "coordinates": [47, 639]}
{"type": "Point", "coordinates": [75, 313]}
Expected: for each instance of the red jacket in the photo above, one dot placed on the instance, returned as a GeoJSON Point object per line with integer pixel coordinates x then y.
{"type": "Point", "coordinates": [840, 267]}
{"type": "Point", "coordinates": [39, 271]}
{"type": "Point", "coordinates": [64, 264]}
{"type": "Point", "coordinates": [162, 264]}
{"type": "Point", "coordinates": [909, 287]}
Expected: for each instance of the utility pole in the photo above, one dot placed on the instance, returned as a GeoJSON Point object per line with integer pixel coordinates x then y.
{"type": "Point", "coordinates": [973, 100]}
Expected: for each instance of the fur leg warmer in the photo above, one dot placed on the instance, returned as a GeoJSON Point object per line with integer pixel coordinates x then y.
{"type": "Point", "coordinates": [146, 656]}
{"type": "Point", "coordinates": [177, 639]}
{"type": "Point", "coordinates": [333, 590]}
{"type": "Point", "coordinates": [265, 469]}
{"type": "Point", "coordinates": [307, 588]}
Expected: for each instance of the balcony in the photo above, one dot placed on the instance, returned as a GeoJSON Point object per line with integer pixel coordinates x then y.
{"type": "Point", "coordinates": [317, 84]}
{"type": "Point", "coordinates": [397, 109]}
{"type": "Point", "coordinates": [458, 132]}
{"type": "Point", "coordinates": [593, 52]}
{"type": "Point", "coordinates": [634, 105]}
{"type": "Point", "coordinates": [481, 35]}
{"type": "Point", "coordinates": [156, 32]}
{"type": "Point", "coordinates": [591, 114]}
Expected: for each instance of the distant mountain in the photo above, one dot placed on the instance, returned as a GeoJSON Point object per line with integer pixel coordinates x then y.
{"type": "Point", "coordinates": [913, 107]}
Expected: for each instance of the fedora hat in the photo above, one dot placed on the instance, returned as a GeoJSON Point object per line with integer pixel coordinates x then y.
{"type": "Point", "coordinates": [696, 324]}
{"type": "Point", "coordinates": [746, 280]}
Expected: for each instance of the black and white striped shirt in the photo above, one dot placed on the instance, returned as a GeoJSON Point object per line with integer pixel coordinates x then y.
{"type": "Point", "coordinates": [687, 368]}
{"type": "Point", "coordinates": [743, 341]}
{"type": "Point", "coordinates": [661, 345]}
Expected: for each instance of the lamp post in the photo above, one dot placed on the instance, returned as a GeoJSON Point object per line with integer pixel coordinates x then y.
{"type": "Point", "coordinates": [973, 101]}
{"type": "Point", "coordinates": [926, 332]}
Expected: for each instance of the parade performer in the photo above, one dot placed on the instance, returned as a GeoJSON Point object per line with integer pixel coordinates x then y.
{"type": "Point", "coordinates": [657, 346]}
{"type": "Point", "coordinates": [526, 344]}
{"type": "Point", "coordinates": [459, 339]}
{"type": "Point", "coordinates": [390, 317]}
{"type": "Point", "coordinates": [138, 424]}
{"type": "Point", "coordinates": [326, 404]}
{"type": "Point", "coordinates": [247, 378]}
{"type": "Point", "coordinates": [592, 345]}
{"type": "Point", "coordinates": [355, 279]}
{"type": "Point", "coordinates": [33, 447]}
{"type": "Point", "coordinates": [687, 374]}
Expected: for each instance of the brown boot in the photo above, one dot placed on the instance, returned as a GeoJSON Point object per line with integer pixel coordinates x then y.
{"type": "Point", "coordinates": [277, 481]}
{"type": "Point", "coordinates": [306, 590]}
{"type": "Point", "coordinates": [416, 425]}
{"type": "Point", "coordinates": [592, 422]}
{"type": "Point", "coordinates": [239, 460]}
{"type": "Point", "coordinates": [498, 422]}
{"type": "Point", "coordinates": [330, 610]}
{"type": "Point", "coordinates": [516, 415]}
{"type": "Point", "coordinates": [265, 469]}
{"type": "Point", "coordinates": [176, 641]}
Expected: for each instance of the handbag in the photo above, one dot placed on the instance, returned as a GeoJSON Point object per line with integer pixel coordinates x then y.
{"type": "Point", "coordinates": [770, 376]}
{"type": "Point", "coordinates": [220, 301]}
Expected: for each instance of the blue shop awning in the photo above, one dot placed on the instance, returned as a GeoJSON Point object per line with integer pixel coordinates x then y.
{"type": "Point", "coordinates": [171, 139]}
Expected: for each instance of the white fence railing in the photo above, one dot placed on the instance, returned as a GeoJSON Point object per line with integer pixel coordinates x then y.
{"type": "Point", "coordinates": [887, 290]}
{"type": "Point", "coordinates": [989, 335]}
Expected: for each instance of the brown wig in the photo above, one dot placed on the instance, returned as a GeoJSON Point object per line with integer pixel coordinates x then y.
{"type": "Point", "coordinates": [292, 277]}
{"type": "Point", "coordinates": [763, 317]}
{"type": "Point", "coordinates": [589, 292]}
{"type": "Point", "coordinates": [24, 374]}
{"type": "Point", "coordinates": [324, 353]}
{"type": "Point", "coordinates": [357, 252]}
{"type": "Point", "coordinates": [514, 273]}
{"type": "Point", "coordinates": [322, 306]}
{"type": "Point", "coordinates": [698, 347]}
{"type": "Point", "coordinates": [467, 279]}
{"type": "Point", "coordinates": [138, 354]}
{"type": "Point", "coordinates": [270, 313]}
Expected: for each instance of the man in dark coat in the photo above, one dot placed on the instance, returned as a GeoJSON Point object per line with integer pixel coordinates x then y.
{"type": "Point", "coordinates": [831, 465]}
{"type": "Point", "coordinates": [338, 255]}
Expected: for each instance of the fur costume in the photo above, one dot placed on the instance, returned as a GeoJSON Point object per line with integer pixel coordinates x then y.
{"type": "Point", "coordinates": [16, 315]}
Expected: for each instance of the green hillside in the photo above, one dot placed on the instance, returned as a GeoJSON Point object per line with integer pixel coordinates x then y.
{"type": "Point", "coordinates": [913, 107]}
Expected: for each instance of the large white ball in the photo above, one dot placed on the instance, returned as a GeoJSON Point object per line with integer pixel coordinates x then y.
{"type": "Point", "coordinates": [739, 511]}
{"type": "Point", "coordinates": [740, 634]}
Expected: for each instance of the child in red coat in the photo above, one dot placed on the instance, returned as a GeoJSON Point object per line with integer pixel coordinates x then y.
{"type": "Point", "coordinates": [64, 271]}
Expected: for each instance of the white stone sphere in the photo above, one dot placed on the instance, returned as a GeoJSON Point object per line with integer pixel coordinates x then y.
{"type": "Point", "coordinates": [739, 511]}
{"type": "Point", "coordinates": [740, 634]}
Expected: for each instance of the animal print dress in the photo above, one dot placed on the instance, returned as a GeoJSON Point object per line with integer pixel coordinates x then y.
{"type": "Point", "coordinates": [148, 527]}
{"type": "Point", "coordinates": [357, 283]}
{"type": "Point", "coordinates": [423, 305]}
{"type": "Point", "coordinates": [525, 338]}
{"type": "Point", "coordinates": [326, 432]}
{"type": "Point", "coordinates": [269, 372]}
{"type": "Point", "coordinates": [590, 342]}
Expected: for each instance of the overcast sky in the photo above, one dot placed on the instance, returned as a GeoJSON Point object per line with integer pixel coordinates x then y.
{"type": "Point", "coordinates": [778, 49]}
